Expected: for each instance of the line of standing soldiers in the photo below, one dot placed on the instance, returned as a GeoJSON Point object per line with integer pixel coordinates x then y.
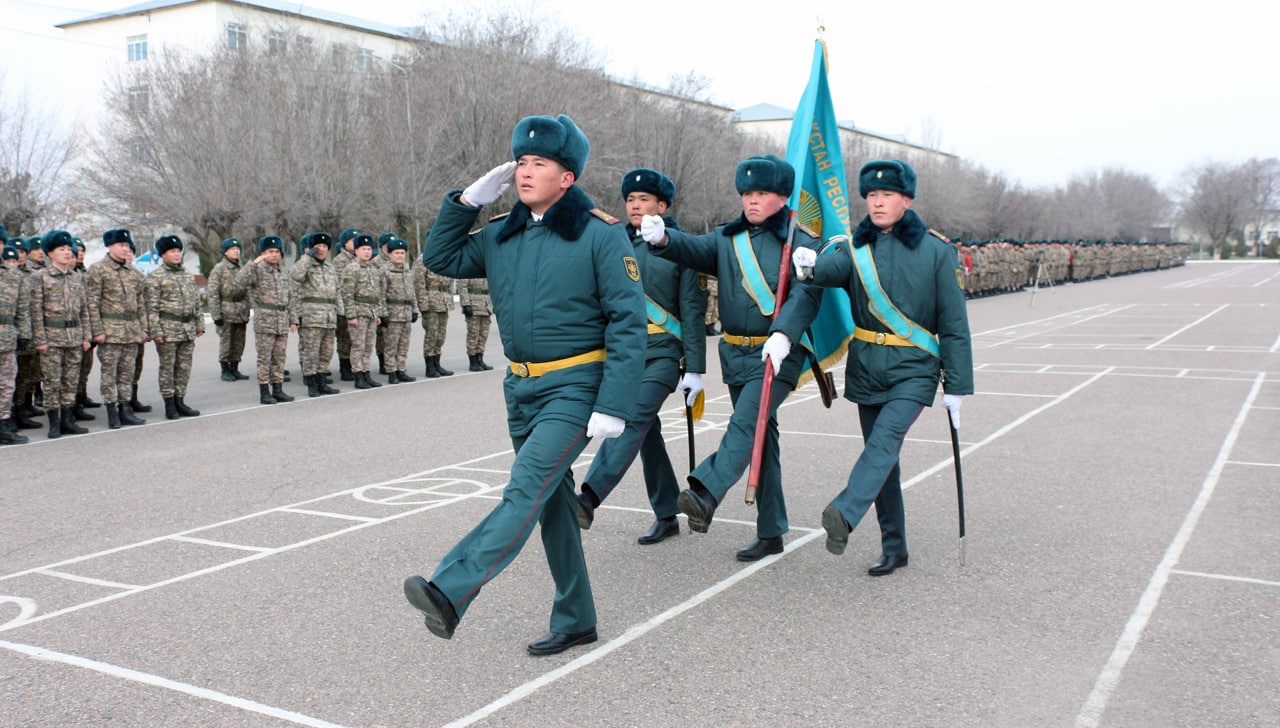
{"type": "Point", "coordinates": [1003, 266]}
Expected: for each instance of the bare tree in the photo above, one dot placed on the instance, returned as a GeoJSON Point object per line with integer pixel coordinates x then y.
{"type": "Point", "coordinates": [1261, 178]}
{"type": "Point", "coordinates": [1215, 202]}
{"type": "Point", "coordinates": [35, 154]}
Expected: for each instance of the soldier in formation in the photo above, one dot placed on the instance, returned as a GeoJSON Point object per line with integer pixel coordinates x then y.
{"type": "Point", "coordinates": [473, 297]}
{"type": "Point", "coordinates": [60, 330]}
{"type": "Point", "coordinates": [175, 321]}
{"type": "Point", "coordinates": [319, 307]}
{"type": "Point", "coordinates": [364, 302]}
{"type": "Point", "coordinates": [434, 294]}
{"type": "Point", "coordinates": [271, 290]}
{"type": "Point", "coordinates": [117, 307]}
{"type": "Point", "coordinates": [230, 310]}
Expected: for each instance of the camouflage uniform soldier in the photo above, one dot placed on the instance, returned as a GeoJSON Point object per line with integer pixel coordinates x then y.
{"type": "Point", "coordinates": [364, 302]}
{"type": "Point", "coordinates": [713, 306]}
{"type": "Point", "coordinates": [273, 316]}
{"type": "Point", "coordinates": [15, 330]}
{"type": "Point", "coordinates": [319, 307]}
{"type": "Point", "coordinates": [116, 308]}
{"type": "Point", "coordinates": [435, 298]}
{"type": "Point", "coordinates": [60, 330]}
{"type": "Point", "coordinates": [174, 320]}
{"type": "Point", "coordinates": [402, 308]}
{"type": "Point", "coordinates": [473, 295]}
{"type": "Point", "coordinates": [83, 401]}
{"type": "Point", "coordinates": [379, 261]}
{"type": "Point", "coordinates": [345, 256]}
{"type": "Point", "coordinates": [30, 372]}
{"type": "Point", "coordinates": [230, 313]}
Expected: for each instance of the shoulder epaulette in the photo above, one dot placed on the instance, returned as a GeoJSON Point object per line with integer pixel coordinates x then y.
{"type": "Point", "coordinates": [939, 235]}
{"type": "Point", "coordinates": [806, 231]}
{"type": "Point", "coordinates": [604, 216]}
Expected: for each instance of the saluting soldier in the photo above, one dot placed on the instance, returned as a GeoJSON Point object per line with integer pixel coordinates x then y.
{"type": "Point", "coordinates": [675, 303]}
{"type": "Point", "coordinates": [175, 321]}
{"type": "Point", "coordinates": [60, 330]}
{"type": "Point", "coordinates": [266, 281]}
{"type": "Point", "coordinates": [230, 311]}
{"type": "Point", "coordinates": [319, 308]}
{"type": "Point", "coordinates": [473, 295]}
{"type": "Point", "coordinates": [344, 257]}
{"type": "Point", "coordinates": [15, 330]}
{"type": "Point", "coordinates": [117, 308]}
{"type": "Point", "coordinates": [894, 369]}
{"type": "Point", "coordinates": [434, 293]}
{"type": "Point", "coordinates": [364, 302]}
{"type": "Point", "coordinates": [402, 308]}
{"type": "Point", "coordinates": [571, 311]}
{"type": "Point", "coordinates": [746, 254]}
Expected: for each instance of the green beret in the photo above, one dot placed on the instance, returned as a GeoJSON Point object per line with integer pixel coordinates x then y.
{"type": "Point", "coordinates": [167, 243]}
{"type": "Point", "coordinates": [270, 242]}
{"type": "Point", "coordinates": [320, 239]}
{"type": "Point", "coordinates": [346, 235]}
{"type": "Point", "coordinates": [385, 239]}
{"type": "Point", "coordinates": [10, 252]}
{"type": "Point", "coordinates": [55, 239]}
{"type": "Point", "coordinates": [765, 173]}
{"type": "Point", "coordinates": [647, 180]}
{"type": "Point", "coordinates": [362, 240]}
{"type": "Point", "coordinates": [894, 175]}
{"type": "Point", "coordinates": [559, 139]}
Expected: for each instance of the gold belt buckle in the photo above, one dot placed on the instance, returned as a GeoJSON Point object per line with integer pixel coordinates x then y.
{"type": "Point", "coordinates": [880, 338]}
{"type": "Point", "coordinates": [521, 369]}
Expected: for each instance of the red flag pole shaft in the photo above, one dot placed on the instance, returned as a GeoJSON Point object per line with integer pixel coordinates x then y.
{"type": "Point", "coordinates": [766, 386]}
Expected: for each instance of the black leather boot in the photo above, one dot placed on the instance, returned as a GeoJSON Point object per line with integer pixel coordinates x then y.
{"type": "Point", "coordinates": [136, 405]}
{"type": "Point", "coordinates": [361, 382]}
{"type": "Point", "coordinates": [405, 377]}
{"type": "Point", "coordinates": [183, 409]}
{"type": "Point", "coordinates": [432, 372]}
{"type": "Point", "coordinates": [170, 408]}
{"type": "Point", "coordinates": [69, 426]}
{"type": "Point", "coordinates": [234, 366]}
{"type": "Point", "coordinates": [23, 421]}
{"type": "Point", "coordinates": [475, 365]}
{"type": "Point", "coordinates": [113, 417]}
{"type": "Point", "coordinates": [9, 434]}
{"type": "Point", "coordinates": [29, 406]}
{"type": "Point", "coordinates": [227, 374]}
{"type": "Point", "coordinates": [312, 389]}
{"type": "Point", "coordinates": [83, 400]}
{"type": "Point", "coordinates": [77, 411]}
{"type": "Point", "coordinates": [344, 371]}
{"type": "Point", "coordinates": [370, 380]}
{"type": "Point", "coordinates": [264, 394]}
{"type": "Point", "coordinates": [440, 367]}
{"type": "Point", "coordinates": [393, 377]}
{"type": "Point", "coordinates": [322, 385]}
{"type": "Point", "coordinates": [277, 391]}
{"type": "Point", "coordinates": [127, 417]}
{"type": "Point", "coordinates": [55, 423]}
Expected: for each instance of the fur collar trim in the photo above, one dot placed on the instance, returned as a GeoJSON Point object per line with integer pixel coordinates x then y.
{"type": "Point", "coordinates": [567, 218]}
{"type": "Point", "coordinates": [776, 224]}
{"type": "Point", "coordinates": [910, 230]}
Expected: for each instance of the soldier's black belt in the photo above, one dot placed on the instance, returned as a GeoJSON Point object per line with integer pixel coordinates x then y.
{"type": "Point", "coordinates": [185, 318]}
{"type": "Point", "coordinates": [481, 292]}
{"type": "Point", "coordinates": [316, 299]}
{"type": "Point", "coordinates": [398, 302]}
{"type": "Point", "coordinates": [271, 307]}
{"type": "Point", "coordinates": [57, 324]}
{"type": "Point", "coordinates": [368, 299]}
{"type": "Point", "coordinates": [111, 316]}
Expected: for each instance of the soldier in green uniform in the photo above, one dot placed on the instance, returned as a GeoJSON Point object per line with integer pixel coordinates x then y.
{"type": "Point", "coordinates": [30, 372]}
{"type": "Point", "coordinates": [15, 329]}
{"type": "Point", "coordinates": [566, 291]}
{"type": "Point", "coordinates": [83, 400]}
{"type": "Point", "coordinates": [117, 309]}
{"type": "Point", "coordinates": [402, 308]}
{"type": "Point", "coordinates": [175, 321]}
{"type": "Point", "coordinates": [675, 303]}
{"type": "Point", "coordinates": [473, 297]}
{"type": "Point", "coordinates": [273, 315]}
{"type": "Point", "coordinates": [748, 253]}
{"type": "Point", "coordinates": [364, 302]}
{"type": "Point", "coordinates": [344, 256]}
{"type": "Point", "coordinates": [230, 312]}
{"type": "Point", "coordinates": [380, 261]}
{"type": "Point", "coordinates": [435, 297]}
{"type": "Point", "coordinates": [319, 307]}
{"type": "Point", "coordinates": [59, 330]}
{"type": "Point", "coordinates": [895, 361]}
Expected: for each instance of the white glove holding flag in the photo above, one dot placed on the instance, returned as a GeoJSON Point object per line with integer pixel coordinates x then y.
{"type": "Point", "coordinates": [804, 260]}
{"type": "Point", "coordinates": [654, 230]}
{"type": "Point", "coordinates": [952, 403]}
{"type": "Point", "coordinates": [605, 427]}
{"type": "Point", "coordinates": [775, 349]}
{"type": "Point", "coordinates": [692, 382]}
{"type": "Point", "coordinates": [490, 187]}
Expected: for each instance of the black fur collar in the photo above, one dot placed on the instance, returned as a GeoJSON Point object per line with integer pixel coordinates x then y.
{"type": "Point", "coordinates": [776, 224]}
{"type": "Point", "coordinates": [910, 230]}
{"type": "Point", "coordinates": [567, 218]}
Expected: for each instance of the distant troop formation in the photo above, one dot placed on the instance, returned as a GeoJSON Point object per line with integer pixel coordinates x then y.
{"type": "Point", "coordinates": [1003, 266]}
{"type": "Point", "coordinates": [55, 313]}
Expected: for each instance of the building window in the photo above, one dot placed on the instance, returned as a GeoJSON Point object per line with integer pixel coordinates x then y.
{"type": "Point", "coordinates": [399, 62]}
{"type": "Point", "coordinates": [237, 36]}
{"type": "Point", "coordinates": [339, 54]}
{"type": "Point", "coordinates": [139, 99]}
{"type": "Point", "coordinates": [364, 59]}
{"type": "Point", "coordinates": [277, 43]}
{"type": "Point", "coordinates": [137, 47]}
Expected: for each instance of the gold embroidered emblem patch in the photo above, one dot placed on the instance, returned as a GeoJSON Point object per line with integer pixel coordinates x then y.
{"type": "Point", "coordinates": [702, 282]}
{"type": "Point", "coordinates": [633, 269]}
{"type": "Point", "coordinates": [960, 278]}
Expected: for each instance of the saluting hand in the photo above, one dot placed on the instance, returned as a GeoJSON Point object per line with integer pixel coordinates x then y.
{"type": "Point", "coordinates": [489, 187]}
{"type": "Point", "coordinates": [654, 230]}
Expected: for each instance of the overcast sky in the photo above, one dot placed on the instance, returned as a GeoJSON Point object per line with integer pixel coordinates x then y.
{"type": "Point", "coordinates": [1039, 92]}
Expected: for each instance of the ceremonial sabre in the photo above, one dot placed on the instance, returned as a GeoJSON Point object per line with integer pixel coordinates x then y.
{"type": "Point", "coordinates": [955, 457]}
{"type": "Point", "coordinates": [766, 387]}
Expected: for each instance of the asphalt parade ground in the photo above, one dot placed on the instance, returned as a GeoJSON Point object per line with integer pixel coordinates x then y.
{"type": "Point", "coordinates": [1122, 486]}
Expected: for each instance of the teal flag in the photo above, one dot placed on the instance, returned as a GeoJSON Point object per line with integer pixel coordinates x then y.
{"type": "Point", "coordinates": [822, 199]}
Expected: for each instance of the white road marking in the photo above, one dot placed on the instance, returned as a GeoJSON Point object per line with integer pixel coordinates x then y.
{"type": "Point", "coordinates": [1226, 577]}
{"type": "Point", "coordinates": [1193, 324]}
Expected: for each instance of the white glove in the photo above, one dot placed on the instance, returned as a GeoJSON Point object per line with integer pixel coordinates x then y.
{"type": "Point", "coordinates": [804, 260]}
{"type": "Point", "coordinates": [605, 427]}
{"type": "Point", "coordinates": [691, 381]}
{"type": "Point", "coordinates": [654, 230]}
{"type": "Point", "coordinates": [776, 348]}
{"type": "Point", "coordinates": [490, 187]}
{"type": "Point", "coordinates": [952, 403]}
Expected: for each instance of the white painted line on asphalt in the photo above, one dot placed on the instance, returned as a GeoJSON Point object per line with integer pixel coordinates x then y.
{"type": "Point", "coordinates": [1193, 324]}
{"type": "Point", "coordinates": [1226, 577]}
{"type": "Point", "coordinates": [125, 673]}
{"type": "Point", "coordinates": [1275, 347]}
{"type": "Point", "coordinates": [635, 632]}
{"type": "Point", "coordinates": [86, 579]}
{"type": "Point", "coordinates": [1091, 713]}
{"type": "Point", "coordinates": [1259, 465]}
{"type": "Point", "coordinates": [220, 544]}
{"type": "Point", "coordinates": [327, 514]}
